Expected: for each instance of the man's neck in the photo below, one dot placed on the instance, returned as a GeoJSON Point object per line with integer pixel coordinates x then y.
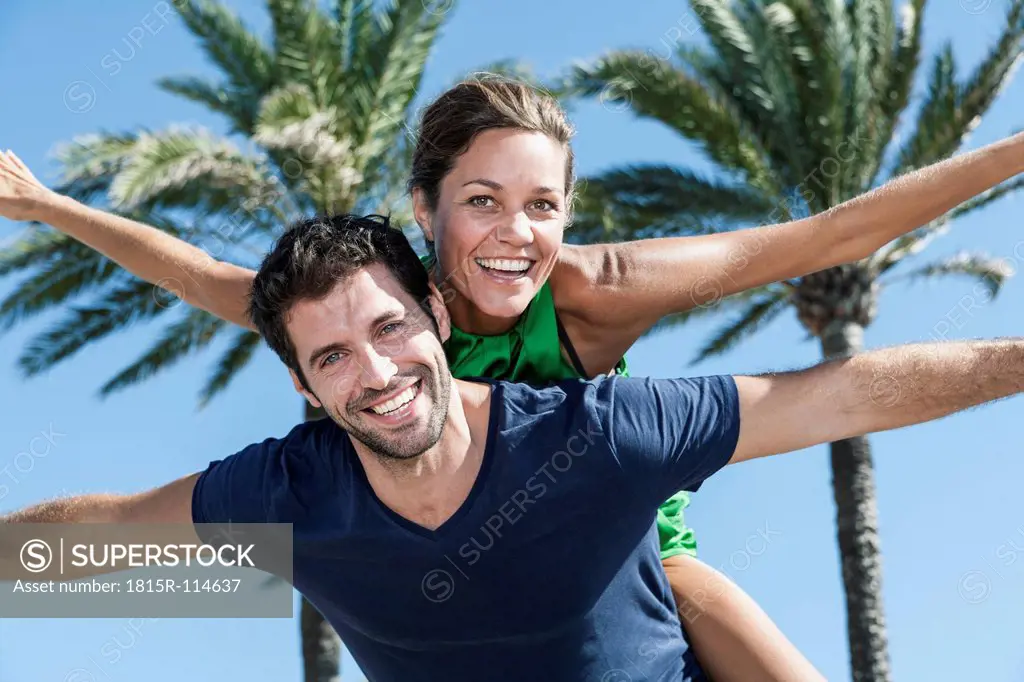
{"type": "Point", "coordinates": [430, 488]}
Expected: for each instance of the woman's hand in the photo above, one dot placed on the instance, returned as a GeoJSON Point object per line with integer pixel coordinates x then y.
{"type": "Point", "coordinates": [21, 194]}
{"type": "Point", "coordinates": [150, 254]}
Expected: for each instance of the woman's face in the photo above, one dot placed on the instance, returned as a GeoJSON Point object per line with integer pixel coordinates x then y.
{"type": "Point", "coordinates": [498, 226]}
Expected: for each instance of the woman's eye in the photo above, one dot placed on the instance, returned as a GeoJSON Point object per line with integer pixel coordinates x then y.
{"type": "Point", "coordinates": [388, 328]}
{"type": "Point", "coordinates": [544, 205]}
{"type": "Point", "coordinates": [480, 201]}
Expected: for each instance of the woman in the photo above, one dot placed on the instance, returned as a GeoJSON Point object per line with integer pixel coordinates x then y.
{"type": "Point", "coordinates": [492, 183]}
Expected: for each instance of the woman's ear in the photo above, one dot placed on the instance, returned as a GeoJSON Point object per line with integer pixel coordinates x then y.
{"type": "Point", "coordinates": [422, 213]}
{"type": "Point", "coordinates": [437, 306]}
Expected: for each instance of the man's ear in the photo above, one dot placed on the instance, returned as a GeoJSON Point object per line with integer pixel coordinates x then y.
{"type": "Point", "coordinates": [437, 306]}
{"type": "Point", "coordinates": [422, 213]}
{"type": "Point", "coordinates": [300, 389]}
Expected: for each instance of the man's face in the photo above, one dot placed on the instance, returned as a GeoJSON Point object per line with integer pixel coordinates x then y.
{"type": "Point", "coordinates": [374, 361]}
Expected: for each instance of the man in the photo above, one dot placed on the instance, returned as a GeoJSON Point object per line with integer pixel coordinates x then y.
{"type": "Point", "coordinates": [472, 530]}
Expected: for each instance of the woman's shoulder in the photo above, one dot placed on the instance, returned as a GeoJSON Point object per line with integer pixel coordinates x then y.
{"type": "Point", "coordinates": [581, 283]}
{"type": "Point", "coordinates": [573, 278]}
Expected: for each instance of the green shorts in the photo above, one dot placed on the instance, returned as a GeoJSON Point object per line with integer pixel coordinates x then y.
{"type": "Point", "coordinates": [675, 537]}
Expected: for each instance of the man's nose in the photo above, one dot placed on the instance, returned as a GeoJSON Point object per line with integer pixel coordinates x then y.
{"type": "Point", "coordinates": [377, 369]}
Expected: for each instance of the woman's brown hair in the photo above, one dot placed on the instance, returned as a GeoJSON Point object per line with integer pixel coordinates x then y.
{"type": "Point", "coordinates": [454, 119]}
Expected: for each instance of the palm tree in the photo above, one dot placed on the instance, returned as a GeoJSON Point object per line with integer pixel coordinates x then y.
{"type": "Point", "coordinates": [797, 102]}
{"type": "Point", "coordinates": [317, 121]}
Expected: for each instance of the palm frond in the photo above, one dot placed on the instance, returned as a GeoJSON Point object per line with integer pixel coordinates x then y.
{"type": "Point", "coordinates": [937, 118]}
{"type": "Point", "coordinates": [239, 107]}
{"type": "Point", "coordinates": [195, 331]}
{"type": "Point", "coordinates": [772, 29]}
{"type": "Point", "coordinates": [391, 72]}
{"type": "Point", "coordinates": [37, 246]}
{"type": "Point", "coordinates": [902, 69]}
{"type": "Point", "coordinates": [756, 316]}
{"type": "Point", "coordinates": [291, 103]}
{"type": "Point", "coordinates": [230, 364]}
{"type": "Point", "coordinates": [953, 110]}
{"type": "Point", "coordinates": [872, 34]}
{"type": "Point", "coordinates": [658, 91]}
{"type": "Point", "coordinates": [818, 62]}
{"type": "Point", "coordinates": [355, 21]}
{"type": "Point", "coordinates": [796, 20]}
{"type": "Point", "coordinates": [89, 163]}
{"type": "Point", "coordinates": [242, 56]}
{"type": "Point", "coordinates": [118, 308]}
{"type": "Point", "coordinates": [63, 269]}
{"type": "Point", "coordinates": [838, 55]}
{"type": "Point", "coordinates": [303, 142]}
{"type": "Point", "coordinates": [914, 242]}
{"type": "Point", "coordinates": [990, 272]}
{"type": "Point", "coordinates": [314, 160]}
{"type": "Point", "coordinates": [54, 282]}
{"type": "Point", "coordinates": [305, 46]}
{"type": "Point", "coordinates": [649, 200]}
{"type": "Point", "coordinates": [359, 63]}
{"type": "Point", "coordinates": [360, 25]}
{"type": "Point", "coordinates": [735, 47]}
{"type": "Point", "coordinates": [986, 198]}
{"type": "Point", "coordinates": [880, 38]}
{"type": "Point", "coordinates": [189, 168]}
{"type": "Point", "coordinates": [993, 74]}
{"type": "Point", "coordinates": [384, 190]}
{"type": "Point", "coordinates": [908, 245]}
{"type": "Point", "coordinates": [750, 69]}
{"type": "Point", "coordinates": [42, 245]}
{"type": "Point", "coordinates": [719, 307]}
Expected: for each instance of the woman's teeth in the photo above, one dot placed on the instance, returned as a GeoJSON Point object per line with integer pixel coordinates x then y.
{"type": "Point", "coordinates": [400, 400]}
{"type": "Point", "coordinates": [504, 264]}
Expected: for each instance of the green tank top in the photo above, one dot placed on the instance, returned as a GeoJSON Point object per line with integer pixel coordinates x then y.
{"type": "Point", "coordinates": [529, 352]}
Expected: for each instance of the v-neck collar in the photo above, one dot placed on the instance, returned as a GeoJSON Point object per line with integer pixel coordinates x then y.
{"type": "Point", "coordinates": [493, 427]}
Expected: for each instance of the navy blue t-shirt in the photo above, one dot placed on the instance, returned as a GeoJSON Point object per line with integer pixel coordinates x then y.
{"type": "Point", "coordinates": [549, 570]}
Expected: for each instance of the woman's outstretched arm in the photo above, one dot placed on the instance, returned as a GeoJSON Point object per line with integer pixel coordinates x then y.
{"type": "Point", "coordinates": [187, 271]}
{"type": "Point", "coordinates": [611, 294]}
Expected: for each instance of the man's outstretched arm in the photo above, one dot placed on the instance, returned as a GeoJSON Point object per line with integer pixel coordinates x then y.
{"type": "Point", "coordinates": [874, 391]}
{"type": "Point", "coordinates": [170, 505]}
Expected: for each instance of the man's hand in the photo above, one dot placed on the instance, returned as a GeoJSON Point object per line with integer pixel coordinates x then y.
{"type": "Point", "coordinates": [21, 194]}
{"type": "Point", "coordinates": [873, 391]}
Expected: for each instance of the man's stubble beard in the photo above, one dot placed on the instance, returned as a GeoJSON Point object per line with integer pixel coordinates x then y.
{"type": "Point", "coordinates": [434, 385]}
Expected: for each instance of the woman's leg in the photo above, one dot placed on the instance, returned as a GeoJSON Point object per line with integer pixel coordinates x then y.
{"type": "Point", "coordinates": [733, 638]}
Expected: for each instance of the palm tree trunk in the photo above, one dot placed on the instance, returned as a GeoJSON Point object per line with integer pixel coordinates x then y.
{"type": "Point", "coordinates": [321, 646]}
{"type": "Point", "coordinates": [853, 484]}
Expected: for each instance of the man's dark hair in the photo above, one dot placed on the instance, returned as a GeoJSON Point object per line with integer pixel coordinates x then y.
{"type": "Point", "coordinates": [312, 256]}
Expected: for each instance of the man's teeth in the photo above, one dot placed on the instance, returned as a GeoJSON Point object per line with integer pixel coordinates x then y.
{"type": "Point", "coordinates": [403, 398]}
{"type": "Point", "coordinates": [504, 264]}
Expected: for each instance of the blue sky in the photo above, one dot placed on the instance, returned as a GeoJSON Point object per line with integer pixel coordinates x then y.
{"type": "Point", "coordinates": [954, 580]}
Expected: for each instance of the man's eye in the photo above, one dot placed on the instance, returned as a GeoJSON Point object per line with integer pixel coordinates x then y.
{"type": "Point", "coordinates": [331, 359]}
{"type": "Point", "coordinates": [391, 327]}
